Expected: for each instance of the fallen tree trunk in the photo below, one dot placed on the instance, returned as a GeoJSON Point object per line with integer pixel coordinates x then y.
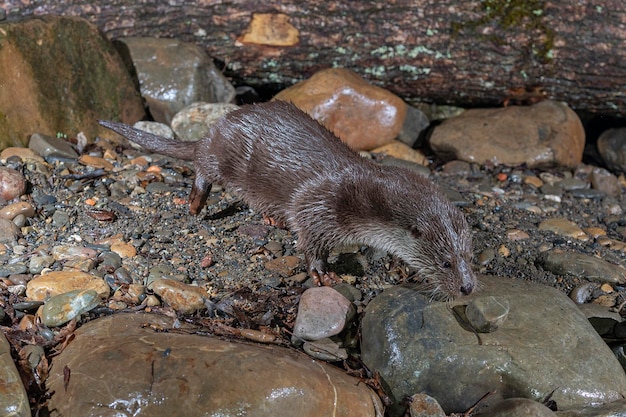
{"type": "Point", "coordinates": [466, 53]}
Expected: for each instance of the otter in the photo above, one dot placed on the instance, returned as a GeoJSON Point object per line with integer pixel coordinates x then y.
{"type": "Point", "coordinates": [285, 164]}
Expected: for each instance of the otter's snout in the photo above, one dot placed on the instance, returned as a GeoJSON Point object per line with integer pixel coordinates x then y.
{"type": "Point", "coordinates": [467, 288]}
{"type": "Point", "coordinates": [468, 280]}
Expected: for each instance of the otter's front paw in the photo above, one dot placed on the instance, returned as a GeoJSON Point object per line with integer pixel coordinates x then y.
{"type": "Point", "coordinates": [326, 279]}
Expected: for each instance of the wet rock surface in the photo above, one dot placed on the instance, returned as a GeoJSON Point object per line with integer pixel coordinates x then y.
{"type": "Point", "coordinates": [542, 134]}
{"type": "Point", "coordinates": [141, 364]}
{"type": "Point", "coordinates": [174, 74]}
{"type": "Point", "coordinates": [49, 60]}
{"type": "Point", "coordinates": [362, 115]}
{"type": "Point", "coordinates": [414, 343]}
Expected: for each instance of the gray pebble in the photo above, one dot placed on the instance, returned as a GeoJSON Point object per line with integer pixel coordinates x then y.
{"type": "Point", "coordinates": [33, 355]}
{"type": "Point", "coordinates": [50, 146]}
{"type": "Point", "coordinates": [588, 193]}
{"type": "Point", "coordinates": [583, 292]}
{"type": "Point", "coordinates": [27, 305]}
{"type": "Point", "coordinates": [570, 184]}
{"type": "Point", "coordinates": [8, 231]}
{"type": "Point", "coordinates": [19, 220]}
{"type": "Point", "coordinates": [122, 275]}
{"type": "Point", "coordinates": [109, 261]}
{"type": "Point", "coordinates": [62, 308]}
{"type": "Point", "coordinates": [13, 269]}
{"type": "Point", "coordinates": [550, 189]}
{"type": "Point", "coordinates": [486, 314]}
{"type": "Point", "coordinates": [160, 187]}
{"type": "Point", "coordinates": [326, 350]}
{"type": "Point", "coordinates": [38, 262]}
{"type": "Point", "coordinates": [60, 218]}
{"type": "Point", "coordinates": [19, 279]}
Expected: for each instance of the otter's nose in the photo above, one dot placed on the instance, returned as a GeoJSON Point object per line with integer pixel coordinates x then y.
{"type": "Point", "coordinates": [467, 289]}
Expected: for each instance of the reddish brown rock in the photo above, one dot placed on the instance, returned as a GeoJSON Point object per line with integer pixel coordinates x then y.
{"type": "Point", "coordinates": [119, 365]}
{"type": "Point", "coordinates": [360, 114]}
{"type": "Point", "coordinates": [12, 183]}
{"type": "Point", "coordinates": [60, 282]}
{"type": "Point", "coordinates": [402, 151]}
{"type": "Point", "coordinates": [545, 134]}
{"type": "Point", "coordinates": [181, 297]}
{"type": "Point", "coordinates": [59, 74]}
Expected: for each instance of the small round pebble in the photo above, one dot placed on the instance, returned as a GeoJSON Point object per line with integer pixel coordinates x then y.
{"type": "Point", "coordinates": [322, 312]}
{"type": "Point", "coordinates": [12, 183]}
{"type": "Point", "coordinates": [62, 308]}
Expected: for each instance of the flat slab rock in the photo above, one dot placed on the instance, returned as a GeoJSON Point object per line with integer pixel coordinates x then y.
{"type": "Point", "coordinates": [120, 366]}
{"type": "Point", "coordinates": [545, 345]}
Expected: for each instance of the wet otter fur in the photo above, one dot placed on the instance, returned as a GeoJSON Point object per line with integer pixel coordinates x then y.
{"type": "Point", "coordinates": [286, 165]}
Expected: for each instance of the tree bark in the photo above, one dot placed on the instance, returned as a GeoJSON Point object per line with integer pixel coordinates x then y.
{"type": "Point", "coordinates": [475, 53]}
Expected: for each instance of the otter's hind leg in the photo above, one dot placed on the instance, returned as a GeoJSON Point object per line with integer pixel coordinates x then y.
{"type": "Point", "coordinates": [199, 192]}
{"type": "Point", "coordinates": [317, 264]}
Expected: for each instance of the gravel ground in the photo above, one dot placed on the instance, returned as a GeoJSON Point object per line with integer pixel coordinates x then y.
{"type": "Point", "coordinates": [226, 247]}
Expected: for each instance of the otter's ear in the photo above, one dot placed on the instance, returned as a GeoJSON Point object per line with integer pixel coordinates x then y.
{"type": "Point", "coordinates": [415, 232]}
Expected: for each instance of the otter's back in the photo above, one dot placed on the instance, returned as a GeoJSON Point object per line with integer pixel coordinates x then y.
{"type": "Point", "coordinates": [266, 151]}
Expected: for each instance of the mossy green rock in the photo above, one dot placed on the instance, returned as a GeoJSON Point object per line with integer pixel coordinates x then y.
{"type": "Point", "coordinates": [59, 74]}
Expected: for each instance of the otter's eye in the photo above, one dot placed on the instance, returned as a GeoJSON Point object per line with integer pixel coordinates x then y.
{"type": "Point", "coordinates": [447, 264]}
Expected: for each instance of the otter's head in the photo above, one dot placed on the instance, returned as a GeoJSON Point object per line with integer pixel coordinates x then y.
{"type": "Point", "coordinates": [438, 244]}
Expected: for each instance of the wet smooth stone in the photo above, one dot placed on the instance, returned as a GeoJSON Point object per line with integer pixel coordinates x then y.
{"type": "Point", "coordinates": [95, 162]}
{"type": "Point", "coordinates": [584, 266]}
{"type": "Point", "coordinates": [12, 183]}
{"type": "Point", "coordinates": [399, 150]}
{"type": "Point", "coordinates": [48, 146]}
{"type": "Point", "coordinates": [563, 227]}
{"type": "Point", "coordinates": [613, 409]}
{"type": "Point", "coordinates": [109, 261]}
{"type": "Point", "coordinates": [60, 218]}
{"type": "Point", "coordinates": [603, 180]}
{"type": "Point", "coordinates": [516, 234]}
{"type": "Point", "coordinates": [486, 314]}
{"type": "Point", "coordinates": [601, 318]}
{"type": "Point", "coordinates": [8, 231]}
{"type": "Point", "coordinates": [25, 154]}
{"type": "Point", "coordinates": [38, 262]}
{"type": "Point", "coordinates": [326, 350]}
{"type": "Point", "coordinates": [418, 346]}
{"type": "Point", "coordinates": [517, 407]}
{"type": "Point", "coordinates": [322, 312]}
{"type": "Point", "coordinates": [532, 180]}
{"type": "Point", "coordinates": [13, 210]}
{"type": "Point", "coordinates": [60, 282]}
{"type": "Point", "coordinates": [124, 250]}
{"type": "Point", "coordinates": [122, 275]}
{"type": "Point", "coordinates": [19, 279]}
{"type": "Point", "coordinates": [552, 132]}
{"type": "Point", "coordinates": [486, 256]}
{"type": "Point", "coordinates": [62, 308]}
{"type": "Point", "coordinates": [569, 184]}
{"type": "Point", "coordinates": [588, 193]}
{"type": "Point", "coordinates": [193, 122]}
{"type": "Point", "coordinates": [68, 252]}
{"type": "Point", "coordinates": [582, 293]}
{"type": "Point", "coordinates": [121, 366]}
{"type": "Point", "coordinates": [27, 305]}
{"type": "Point", "coordinates": [13, 398]}
{"type": "Point", "coordinates": [181, 297]}
{"type": "Point", "coordinates": [422, 405]}
{"type": "Point", "coordinates": [6, 270]}
{"type": "Point", "coordinates": [362, 115]}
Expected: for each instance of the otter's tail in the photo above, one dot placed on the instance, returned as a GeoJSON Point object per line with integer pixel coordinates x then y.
{"type": "Point", "coordinates": [153, 143]}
